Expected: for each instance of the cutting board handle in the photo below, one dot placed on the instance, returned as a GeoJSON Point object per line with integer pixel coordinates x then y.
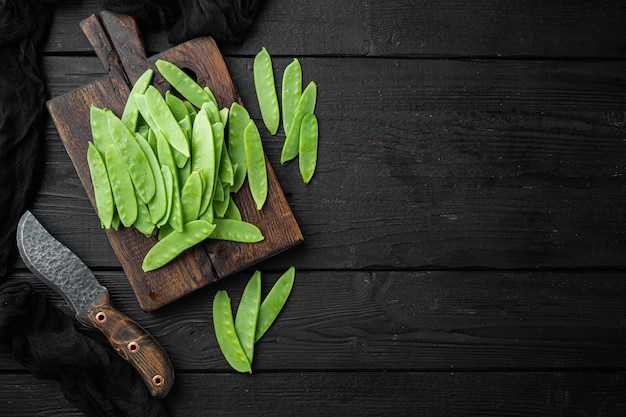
{"type": "Point", "coordinates": [117, 41]}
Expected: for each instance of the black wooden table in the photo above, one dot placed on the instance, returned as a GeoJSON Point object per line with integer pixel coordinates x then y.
{"type": "Point", "coordinates": [465, 240]}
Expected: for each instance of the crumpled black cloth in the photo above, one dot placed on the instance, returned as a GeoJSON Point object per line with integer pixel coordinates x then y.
{"type": "Point", "coordinates": [224, 20]}
{"type": "Point", "coordinates": [23, 24]}
{"type": "Point", "coordinates": [40, 336]}
{"type": "Point", "coordinates": [52, 345]}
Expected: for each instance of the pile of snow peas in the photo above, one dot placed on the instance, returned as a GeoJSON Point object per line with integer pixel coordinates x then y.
{"type": "Point", "coordinates": [169, 165]}
{"type": "Point", "coordinates": [236, 336]}
{"type": "Point", "coordinates": [298, 111]}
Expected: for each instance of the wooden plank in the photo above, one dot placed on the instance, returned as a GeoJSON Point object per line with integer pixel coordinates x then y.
{"type": "Point", "coordinates": [403, 28]}
{"type": "Point", "coordinates": [403, 321]}
{"type": "Point", "coordinates": [428, 164]}
{"type": "Point", "coordinates": [359, 394]}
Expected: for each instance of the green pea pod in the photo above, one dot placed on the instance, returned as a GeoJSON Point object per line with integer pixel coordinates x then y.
{"type": "Point", "coordinates": [247, 314]}
{"type": "Point", "coordinates": [211, 96]}
{"type": "Point", "coordinates": [220, 207]}
{"type": "Point", "coordinates": [266, 90]}
{"type": "Point", "coordinates": [291, 92]}
{"type": "Point", "coordinates": [176, 106]}
{"type": "Point", "coordinates": [191, 197]}
{"type": "Point", "coordinates": [144, 222]}
{"type": "Point", "coordinates": [172, 245]}
{"type": "Point", "coordinates": [255, 164]}
{"type": "Point", "coordinates": [306, 105]}
{"type": "Point", "coordinates": [274, 302]}
{"type": "Point", "coordinates": [210, 108]}
{"type": "Point", "coordinates": [134, 157]}
{"type": "Point", "coordinates": [224, 115]}
{"type": "Point", "coordinates": [105, 206]}
{"type": "Point", "coordinates": [182, 83]}
{"type": "Point", "coordinates": [99, 122]}
{"type": "Point", "coordinates": [166, 122]}
{"type": "Point", "coordinates": [226, 335]}
{"type": "Point", "coordinates": [226, 172]}
{"type": "Point", "coordinates": [308, 147]}
{"type": "Point", "coordinates": [158, 205]}
{"type": "Point", "coordinates": [236, 231]}
{"type": "Point", "coordinates": [121, 186]}
{"type": "Point", "coordinates": [130, 115]}
{"type": "Point", "coordinates": [232, 212]}
{"type": "Point", "coordinates": [167, 159]}
{"type": "Point", "coordinates": [237, 122]}
{"type": "Point", "coordinates": [168, 181]}
{"type": "Point", "coordinates": [203, 158]}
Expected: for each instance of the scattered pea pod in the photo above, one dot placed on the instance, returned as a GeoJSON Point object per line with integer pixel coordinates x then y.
{"type": "Point", "coordinates": [306, 105]}
{"type": "Point", "coordinates": [226, 334]}
{"type": "Point", "coordinates": [291, 92]}
{"type": "Point", "coordinates": [308, 147]}
{"type": "Point", "coordinates": [255, 164]}
{"type": "Point", "coordinates": [274, 302]}
{"type": "Point", "coordinates": [266, 90]}
{"type": "Point", "coordinates": [247, 313]}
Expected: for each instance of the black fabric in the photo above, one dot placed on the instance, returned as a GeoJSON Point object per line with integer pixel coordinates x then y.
{"type": "Point", "coordinates": [224, 20]}
{"type": "Point", "coordinates": [90, 373]}
{"type": "Point", "coordinates": [40, 336]}
{"type": "Point", "coordinates": [23, 24]}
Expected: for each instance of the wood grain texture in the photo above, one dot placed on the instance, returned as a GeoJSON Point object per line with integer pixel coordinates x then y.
{"type": "Point", "coordinates": [403, 321]}
{"type": "Point", "coordinates": [439, 163]}
{"type": "Point", "coordinates": [550, 394]}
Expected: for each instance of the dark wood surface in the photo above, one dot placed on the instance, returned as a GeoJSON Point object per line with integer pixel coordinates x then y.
{"type": "Point", "coordinates": [465, 243]}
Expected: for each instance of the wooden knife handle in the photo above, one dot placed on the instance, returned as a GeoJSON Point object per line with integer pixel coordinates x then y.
{"type": "Point", "coordinates": [132, 343]}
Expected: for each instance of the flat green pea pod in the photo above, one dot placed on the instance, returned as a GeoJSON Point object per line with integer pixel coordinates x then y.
{"type": "Point", "coordinates": [274, 302]}
{"type": "Point", "coordinates": [308, 147]}
{"type": "Point", "coordinates": [144, 222]}
{"type": "Point", "coordinates": [237, 122]}
{"type": "Point", "coordinates": [172, 245]}
{"type": "Point", "coordinates": [221, 207]}
{"type": "Point", "coordinates": [306, 105]}
{"type": "Point", "coordinates": [134, 157]}
{"type": "Point", "coordinates": [203, 156]}
{"type": "Point", "coordinates": [211, 95]}
{"type": "Point", "coordinates": [255, 164]}
{"type": "Point", "coordinates": [158, 205]}
{"type": "Point", "coordinates": [266, 90]}
{"type": "Point", "coordinates": [121, 186]}
{"type": "Point", "coordinates": [99, 122]}
{"type": "Point", "coordinates": [236, 231]}
{"type": "Point", "coordinates": [130, 115]}
{"type": "Point", "coordinates": [247, 314]}
{"type": "Point", "coordinates": [182, 83]}
{"type": "Point", "coordinates": [291, 92]}
{"type": "Point", "coordinates": [232, 212]}
{"type": "Point", "coordinates": [211, 110]}
{"type": "Point", "coordinates": [101, 186]}
{"type": "Point", "coordinates": [168, 180]}
{"type": "Point", "coordinates": [166, 122]}
{"type": "Point", "coordinates": [226, 334]}
{"type": "Point", "coordinates": [224, 115]}
{"type": "Point", "coordinates": [176, 105]}
{"type": "Point", "coordinates": [226, 172]}
{"type": "Point", "coordinates": [191, 196]}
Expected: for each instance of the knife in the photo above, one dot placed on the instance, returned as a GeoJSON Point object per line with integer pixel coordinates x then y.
{"type": "Point", "coordinates": [60, 268]}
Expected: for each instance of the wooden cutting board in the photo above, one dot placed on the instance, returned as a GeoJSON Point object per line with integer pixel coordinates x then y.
{"type": "Point", "coordinates": [118, 44]}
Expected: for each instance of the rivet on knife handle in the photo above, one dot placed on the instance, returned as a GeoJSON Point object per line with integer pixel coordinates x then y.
{"type": "Point", "coordinates": [132, 343]}
{"type": "Point", "coordinates": [60, 268]}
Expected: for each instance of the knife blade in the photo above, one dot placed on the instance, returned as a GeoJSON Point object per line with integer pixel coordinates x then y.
{"type": "Point", "coordinates": [60, 268]}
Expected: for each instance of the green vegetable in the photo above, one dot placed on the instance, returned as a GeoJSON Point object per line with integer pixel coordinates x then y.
{"type": "Point", "coordinates": [183, 83]}
{"type": "Point", "coordinates": [291, 92]}
{"type": "Point", "coordinates": [247, 313]}
{"type": "Point", "coordinates": [274, 302]}
{"type": "Point", "coordinates": [176, 243]}
{"type": "Point", "coordinates": [158, 205]}
{"type": "Point", "coordinates": [135, 159]}
{"type": "Point", "coordinates": [266, 90]}
{"type": "Point", "coordinates": [121, 186]}
{"type": "Point", "coordinates": [101, 186]}
{"type": "Point", "coordinates": [236, 231]}
{"type": "Point", "coordinates": [306, 105]}
{"type": "Point", "coordinates": [130, 115]}
{"type": "Point", "coordinates": [166, 122]}
{"type": "Point", "coordinates": [191, 197]}
{"type": "Point", "coordinates": [308, 147]}
{"type": "Point", "coordinates": [255, 164]}
{"type": "Point", "coordinates": [226, 334]}
{"type": "Point", "coordinates": [237, 122]}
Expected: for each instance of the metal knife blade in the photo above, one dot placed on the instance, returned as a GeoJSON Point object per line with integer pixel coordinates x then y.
{"type": "Point", "coordinates": [60, 268]}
